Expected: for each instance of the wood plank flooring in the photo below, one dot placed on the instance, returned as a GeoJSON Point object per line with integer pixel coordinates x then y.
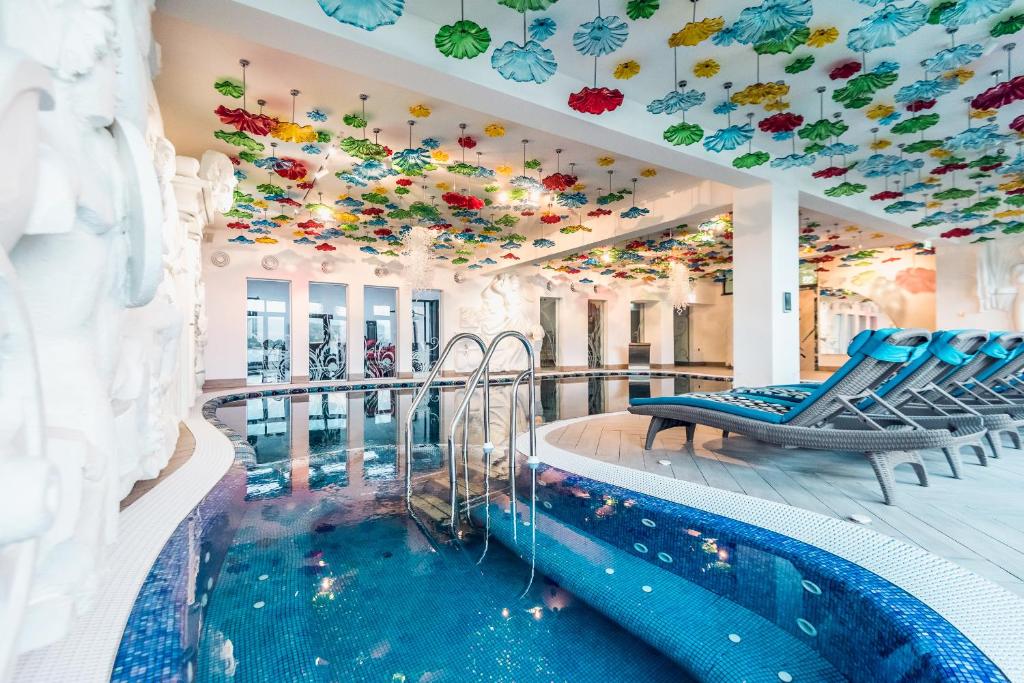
{"type": "Point", "coordinates": [977, 522]}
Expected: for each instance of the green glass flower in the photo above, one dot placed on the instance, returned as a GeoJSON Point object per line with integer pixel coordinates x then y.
{"type": "Point", "coordinates": [1008, 26]}
{"type": "Point", "coordinates": [787, 43]}
{"type": "Point", "coordinates": [683, 134]}
{"type": "Point", "coordinates": [984, 205]}
{"type": "Point", "coordinates": [229, 88]}
{"type": "Point", "coordinates": [1015, 200]}
{"type": "Point", "coordinates": [374, 197]}
{"type": "Point", "coordinates": [462, 168]}
{"type": "Point", "coordinates": [462, 40]}
{"type": "Point", "coordinates": [354, 120]}
{"type": "Point", "coordinates": [401, 190]}
{"type": "Point", "coordinates": [822, 129]}
{"type": "Point", "coordinates": [858, 91]}
{"type": "Point", "coordinates": [751, 159]}
{"type": "Point", "coordinates": [533, 164]}
{"type": "Point", "coordinates": [238, 213]}
{"type": "Point", "coordinates": [915, 124]}
{"type": "Point", "coordinates": [507, 221]}
{"type": "Point", "coordinates": [935, 15]}
{"type": "Point", "coordinates": [400, 214]}
{"type": "Point", "coordinates": [845, 189]}
{"type": "Point", "coordinates": [362, 148]}
{"type": "Point", "coordinates": [954, 193]}
{"type": "Point", "coordinates": [248, 156]}
{"type": "Point", "coordinates": [922, 146]}
{"type": "Point", "coordinates": [269, 188]}
{"type": "Point", "coordinates": [459, 261]}
{"type": "Point", "coordinates": [324, 136]}
{"type": "Point", "coordinates": [802, 63]}
{"type": "Point", "coordinates": [239, 139]}
{"type": "Point", "coordinates": [1016, 226]}
{"type": "Point", "coordinates": [642, 9]}
{"type": "Point", "coordinates": [527, 5]}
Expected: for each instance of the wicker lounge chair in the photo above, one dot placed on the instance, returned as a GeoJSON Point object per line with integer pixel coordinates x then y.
{"type": "Point", "coordinates": [828, 418]}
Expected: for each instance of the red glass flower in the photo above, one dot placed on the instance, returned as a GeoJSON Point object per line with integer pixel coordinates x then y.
{"type": "Point", "coordinates": [921, 105]}
{"type": "Point", "coordinates": [559, 182]}
{"type": "Point", "coordinates": [310, 225]}
{"type": "Point", "coordinates": [844, 70]}
{"type": "Point", "coordinates": [467, 142]}
{"type": "Point", "coordinates": [783, 122]}
{"type": "Point", "coordinates": [948, 168]}
{"type": "Point", "coordinates": [238, 225]}
{"type": "Point", "coordinates": [886, 194]}
{"type": "Point", "coordinates": [510, 256]}
{"type": "Point", "coordinates": [305, 185]}
{"type": "Point", "coordinates": [324, 246]}
{"type": "Point", "coordinates": [404, 182]}
{"type": "Point", "coordinates": [599, 212]}
{"type": "Point", "coordinates": [595, 100]}
{"type": "Point", "coordinates": [293, 170]}
{"type": "Point", "coordinates": [550, 218]}
{"type": "Point", "coordinates": [257, 124]}
{"type": "Point", "coordinates": [957, 232]}
{"type": "Point", "coordinates": [371, 211]}
{"type": "Point", "coordinates": [1001, 94]}
{"type": "Point", "coordinates": [1018, 124]}
{"type": "Point", "coordinates": [831, 172]}
{"type": "Point", "coordinates": [287, 201]}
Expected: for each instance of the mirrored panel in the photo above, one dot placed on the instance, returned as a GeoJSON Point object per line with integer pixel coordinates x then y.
{"type": "Point", "coordinates": [595, 334]}
{"type": "Point", "coordinates": [268, 334]}
{"type": "Point", "coordinates": [426, 329]}
{"type": "Point", "coordinates": [380, 335]}
{"type": "Point", "coordinates": [549, 323]}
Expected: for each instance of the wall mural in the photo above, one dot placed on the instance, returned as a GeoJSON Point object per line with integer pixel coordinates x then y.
{"type": "Point", "coordinates": [935, 143]}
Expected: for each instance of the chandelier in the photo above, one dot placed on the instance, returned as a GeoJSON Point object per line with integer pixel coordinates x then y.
{"type": "Point", "coordinates": [679, 286]}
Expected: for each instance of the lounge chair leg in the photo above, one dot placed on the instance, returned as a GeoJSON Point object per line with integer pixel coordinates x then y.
{"type": "Point", "coordinates": [690, 429]}
{"type": "Point", "coordinates": [883, 462]}
{"type": "Point", "coordinates": [1014, 438]}
{"type": "Point", "coordinates": [993, 444]}
{"type": "Point", "coordinates": [979, 451]}
{"type": "Point", "coordinates": [725, 434]}
{"type": "Point", "coordinates": [953, 458]}
{"type": "Point", "coordinates": [659, 424]}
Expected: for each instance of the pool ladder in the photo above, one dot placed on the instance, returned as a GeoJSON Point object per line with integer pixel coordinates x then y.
{"type": "Point", "coordinates": [482, 372]}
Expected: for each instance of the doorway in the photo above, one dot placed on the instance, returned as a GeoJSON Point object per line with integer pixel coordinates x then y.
{"type": "Point", "coordinates": [595, 334]}
{"type": "Point", "coordinates": [808, 329]}
{"type": "Point", "coordinates": [426, 330]}
{"type": "Point", "coordinates": [681, 336]}
{"type": "Point", "coordinates": [549, 323]}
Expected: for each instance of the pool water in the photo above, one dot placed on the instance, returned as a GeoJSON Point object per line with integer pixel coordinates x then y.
{"type": "Point", "coordinates": [304, 565]}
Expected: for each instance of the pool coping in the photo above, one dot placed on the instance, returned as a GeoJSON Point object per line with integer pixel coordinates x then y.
{"type": "Point", "coordinates": [88, 652]}
{"type": "Point", "coordinates": [990, 616]}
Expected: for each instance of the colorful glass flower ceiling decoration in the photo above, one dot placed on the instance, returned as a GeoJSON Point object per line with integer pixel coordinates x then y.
{"type": "Point", "coordinates": [365, 14]}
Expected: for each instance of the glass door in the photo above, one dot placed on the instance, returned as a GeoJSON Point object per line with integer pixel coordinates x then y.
{"type": "Point", "coordinates": [595, 334]}
{"type": "Point", "coordinates": [549, 323]}
{"type": "Point", "coordinates": [268, 334]}
{"type": "Point", "coordinates": [426, 329]}
{"type": "Point", "coordinates": [328, 331]}
{"type": "Point", "coordinates": [380, 338]}
{"type": "Point", "coordinates": [681, 336]}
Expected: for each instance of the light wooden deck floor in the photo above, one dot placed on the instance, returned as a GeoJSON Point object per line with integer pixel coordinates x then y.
{"type": "Point", "coordinates": [976, 522]}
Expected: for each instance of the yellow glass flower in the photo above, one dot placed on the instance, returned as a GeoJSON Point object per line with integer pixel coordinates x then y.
{"type": "Point", "coordinates": [756, 93]}
{"type": "Point", "coordinates": [983, 113]}
{"type": "Point", "coordinates": [776, 105]}
{"type": "Point", "coordinates": [939, 153]}
{"type": "Point", "coordinates": [346, 217]}
{"type": "Point", "coordinates": [705, 68]}
{"type": "Point", "coordinates": [579, 187]}
{"type": "Point", "coordinates": [266, 240]}
{"type": "Point", "coordinates": [605, 161]}
{"type": "Point", "coordinates": [503, 169]}
{"type": "Point", "coordinates": [626, 70]}
{"type": "Point", "coordinates": [439, 155]}
{"type": "Point", "coordinates": [443, 186]}
{"type": "Point", "coordinates": [286, 131]}
{"type": "Point", "coordinates": [648, 172]}
{"type": "Point", "coordinates": [380, 189]}
{"type": "Point", "coordinates": [1009, 213]}
{"type": "Point", "coordinates": [494, 130]}
{"type": "Point", "coordinates": [962, 74]}
{"type": "Point", "coordinates": [880, 144]}
{"type": "Point", "coordinates": [933, 204]}
{"type": "Point", "coordinates": [879, 111]}
{"type": "Point", "coordinates": [1012, 185]}
{"type": "Point", "coordinates": [299, 233]}
{"type": "Point", "coordinates": [420, 111]}
{"type": "Point", "coordinates": [259, 204]}
{"type": "Point", "coordinates": [820, 37]}
{"type": "Point", "coordinates": [696, 32]}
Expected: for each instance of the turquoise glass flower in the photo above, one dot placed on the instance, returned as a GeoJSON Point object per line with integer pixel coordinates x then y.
{"type": "Point", "coordinates": [531, 62]}
{"type": "Point", "coordinates": [365, 14]}
{"type": "Point", "coordinates": [729, 138]}
{"type": "Point", "coordinates": [676, 101]}
{"type": "Point", "coordinates": [600, 36]}
{"type": "Point", "coordinates": [887, 25]}
{"type": "Point", "coordinates": [542, 28]}
{"type": "Point", "coordinates": [772, 19]}
{"type": "Point", "coordinates": [953, 57]}
{"type": "Point", "coordinates": [966, 12]}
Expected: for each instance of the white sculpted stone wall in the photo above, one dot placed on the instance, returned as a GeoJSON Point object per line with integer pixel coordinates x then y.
{"type": "Point", "coordinates": [99, 297]}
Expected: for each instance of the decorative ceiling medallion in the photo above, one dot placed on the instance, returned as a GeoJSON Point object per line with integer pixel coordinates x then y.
{"type": "Point", "coordinates": [270, 263]}
{"type": "Point", "coordinates": [327, 267]}
{"type": "Point", "coordinates": [220, 259]}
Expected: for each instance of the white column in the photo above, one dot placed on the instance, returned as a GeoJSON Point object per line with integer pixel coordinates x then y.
{"type": "Point", "coordinates": [356, 328]}
{"type": "Point", "coordinates": [766, 338]}
{"type": "Point", "coordinates": [403, 307]}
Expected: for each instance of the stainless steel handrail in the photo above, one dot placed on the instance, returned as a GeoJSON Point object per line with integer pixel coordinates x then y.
{"type": "Point", "coordinates": [471, 385]}
{"type": "Point", "coordinates": [422, 392]}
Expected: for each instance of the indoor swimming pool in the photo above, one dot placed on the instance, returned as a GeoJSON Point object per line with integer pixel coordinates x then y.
{"type": "Point", "coordinates": [304, 565]}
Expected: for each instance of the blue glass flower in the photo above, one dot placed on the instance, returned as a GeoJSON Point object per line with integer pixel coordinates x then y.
{"type": "Point", "coordinates": [1015, 166]}
{"type": "Point", "coordinates": [310, 148]}
{"type": "Point", "coordinates": [265, 223]}
{"type": "Point", "coordinates": [887, 25]}
{"type": "Point", "coordinates": [430, 143]}
{"type": "Point", "coordinates": [303, 240]}
{"type": "Point", "coordinates": [838, 149]}
{"type": "Point", "coordinates": [367, 249]}
{"type": "Point", "coordinates": [350, 202]}
{"type": "Point", "coordinates": [793, 161]}
{"type": "Point", "coordinates": [412, 161]}
{"type": "Point", "coordinates": [543, 243]}
{"type": "Point", "coordinates": [676, 101]}
{"type": "Point", "coordinates": [488, 261]}
{"type": "Point", "coordinates": [782, 135]}
{"type": "Point", "coordinates": [242, 239]}
{"type": "Point", "coordinates": [259, 231]}
{"type": "Point", "coordinates": [771, 19]}
{"type": "Point", "coordinates": [586, 281]}
{"type": "Point", "coordinates": [729, 138]}
{"type": "Point", "coordinates": [542, 28]}
{"type": "Point", "coordinates": [726, 107]}
{"type": "Point", "coordinates": [904, 206]}
{"type": "Point", "coordinates": [571, 200]}
{"type": "Point", "coordinates": [891, 118]}
{"type": "Point", "coordinates": [483, 172]}
{"type": "Point", "coordinates": [600, 36]}
{"type": "Point", "coordinates": [634, 212]}
{"type": "Point", "coordinates": [526, 182]}
{"type": "Point", "coordinates": [725, 37]}
{"type": "Point", "coordinates": [976, 138]}
{"type": "Point", "coordinates": [966, 12]}
{"type": "Point", "coordinates": [886, 66]}
{"type": "Point", "coordinates": [953, 57]}
{"type": "Point", "coordinates": [919, 187]}
{"type": "Point", "coordinates": [926, 89]}
{"type": "Point", "coordinates": [511, 245]}
{"type": "Point", "coordinates": [350, 178]}
{"type": "Point", "coordinates": [377, 222]}
{"type": "Point", "coordinates": [881, 165]}
{"type": "Point", "coordinates": [531, 62]}
{"type": "Point", "coordinates": [474, 266]}
{"type": "Point", "coordinates": [364, 14]}
{"type": "Point", "coordinates": [273, 163]}
{"type": "Point", "coordinates": [240, 174]}
{"type": "Point", "coordinates": [316, 115]}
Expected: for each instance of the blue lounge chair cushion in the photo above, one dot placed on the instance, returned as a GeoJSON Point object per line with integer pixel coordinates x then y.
{"type": "Point", "coordinates": [775, 408]}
